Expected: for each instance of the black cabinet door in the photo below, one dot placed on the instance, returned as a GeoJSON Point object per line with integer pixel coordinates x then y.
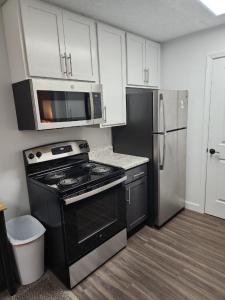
{"type": "Point", "coordinates": [137, 209]}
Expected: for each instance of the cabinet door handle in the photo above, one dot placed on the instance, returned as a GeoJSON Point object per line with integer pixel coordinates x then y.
{"type": "Point", "coordinates": [128, 200]}
{"type": "Point", "coordinates": [105, 114]}
{"type": "Point", "coordinates": [145, 75]}
{"type": "Point", "coordinates": [71, 67]}
{"type": "Point", "coordinates": [63, 63]}
{"type": "Point", "coordinates": [148, 75]}
{"type": "Point", "coordinates": [139, 174]}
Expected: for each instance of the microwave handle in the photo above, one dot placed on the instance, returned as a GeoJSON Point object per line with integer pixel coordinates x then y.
{"type": "Point", "coordinates": [95, 191]}
{"type": "Point", "coordinates": [89, 104]}
{"type": "Point", "coordinates": [92, 106]}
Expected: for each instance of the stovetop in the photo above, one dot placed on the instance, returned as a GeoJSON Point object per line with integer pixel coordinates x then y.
{"type": "Point", "coordinates": [78, 176]}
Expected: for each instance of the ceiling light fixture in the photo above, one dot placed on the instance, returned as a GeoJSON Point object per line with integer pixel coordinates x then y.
{"type": "Point", "coordinates": [216, 6]}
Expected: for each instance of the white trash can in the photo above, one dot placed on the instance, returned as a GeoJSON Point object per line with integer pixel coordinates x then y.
{"type": "Point", "coordinates": [26, 234]}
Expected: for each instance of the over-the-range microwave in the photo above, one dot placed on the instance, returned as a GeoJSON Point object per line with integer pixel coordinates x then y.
{"type": "Point", "coordinates": [48, 104]}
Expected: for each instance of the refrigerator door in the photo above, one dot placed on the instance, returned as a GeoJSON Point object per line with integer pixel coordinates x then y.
{"type": "Point", "coordinates": [169, 174]}
{"type": "Point", "coordinates": [171, 107]}
{"type": "Point", "coordinates": [181, 165]}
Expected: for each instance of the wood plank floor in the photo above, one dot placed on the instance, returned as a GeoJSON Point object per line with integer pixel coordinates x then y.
{"type": "Point", "coordinates": [183, 260]}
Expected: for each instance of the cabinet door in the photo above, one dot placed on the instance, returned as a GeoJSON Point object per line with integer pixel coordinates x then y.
{"type": "Point", "coordinates": [137, 209]}
{"type": "Point", "coordinates": [112, 63]}
{"type": "Point", "coordinates": [152, 55]}
{"type": "Point", "coordinates": [81, 47]}
{"type": "Point", "coordinates": [43, 36]}
{"type": "Point", "coordinates": [135, 60]}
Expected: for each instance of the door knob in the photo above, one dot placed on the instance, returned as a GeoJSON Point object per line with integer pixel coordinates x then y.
{"type": "Point", "coordinates": [213, 151]}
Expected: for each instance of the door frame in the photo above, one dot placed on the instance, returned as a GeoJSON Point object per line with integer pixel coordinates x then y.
{"type": "Point", "coordinates": [206, 119]}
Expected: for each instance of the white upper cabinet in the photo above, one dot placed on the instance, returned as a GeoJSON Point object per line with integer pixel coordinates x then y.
{"type": "Point", "coordinates": [143, 62]}
{"type": "Point", "coordinates": [152, 62]}
{"type": "Point", "coordinates": [81, 47]}
{"type": "Point", "coordinates": [135, 59]}
{"type": "Point", "coordinates": [44, 40]}
{"type": "Point", "coordinates": [112, 68]}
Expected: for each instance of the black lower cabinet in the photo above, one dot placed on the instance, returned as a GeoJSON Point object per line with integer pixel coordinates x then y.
{"type": "Point", "coordinates": [137, 199]}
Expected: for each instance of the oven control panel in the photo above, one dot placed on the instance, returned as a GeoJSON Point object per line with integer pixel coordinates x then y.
{"type": "Point", "coordinates": [55, 151]}
{"type": "Point", "coordinates": [62, 149]}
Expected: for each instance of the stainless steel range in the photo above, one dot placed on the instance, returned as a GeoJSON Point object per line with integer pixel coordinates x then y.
{"type": "Point", "coordinates": [82, 205]}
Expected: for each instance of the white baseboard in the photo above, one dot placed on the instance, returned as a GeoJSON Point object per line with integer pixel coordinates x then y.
{"type": "Point", "coordinates": [194, 206]}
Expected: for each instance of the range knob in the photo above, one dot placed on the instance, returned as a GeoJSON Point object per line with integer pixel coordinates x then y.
{"type": "Point", "coordinates": [38, 154]}
{"type": "Point", "coordinates": [82, 146]}
{"type": "Point", "coordinates": [31, 156]}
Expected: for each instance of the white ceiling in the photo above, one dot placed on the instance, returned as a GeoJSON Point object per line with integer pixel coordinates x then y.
{"type": "Point", "coordinates": [159, 20]}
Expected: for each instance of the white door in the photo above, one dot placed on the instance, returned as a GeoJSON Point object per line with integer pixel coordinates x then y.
{"type": "Point", "coordinates": [81, 47]}
{"type": "Point", "coordinates": [215, 186]}
{"type": "Point", "coordinates": [136, 74]}
{"type": "Point", "coordinates": [112, 63]}
{"type": "Point", "coordinates": [44, 40]}
{"type": "Point", "coordinates": [152, 59]}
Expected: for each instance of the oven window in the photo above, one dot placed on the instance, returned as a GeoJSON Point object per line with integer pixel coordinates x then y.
{"type": "Point", "coordinates": [91, 221]}
{"type": "Point", "coordinates": [56, 106]}
{"type": "Point", "coordinates": [96, 216]}
{"type": "Point", "coordinates": [92, 216]}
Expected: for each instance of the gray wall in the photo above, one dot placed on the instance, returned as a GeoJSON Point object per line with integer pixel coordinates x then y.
{"type": "Point", "coordinates": [184, 67]}
{"type": "Point", "coordinates": [13, 190]}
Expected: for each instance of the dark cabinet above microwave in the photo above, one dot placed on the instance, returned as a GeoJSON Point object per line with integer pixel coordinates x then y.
{"type": "Point", "coordinates": [48, 104]}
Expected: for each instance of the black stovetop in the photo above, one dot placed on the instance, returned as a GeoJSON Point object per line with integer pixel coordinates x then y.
{"type": "Point", "coordinates": [78, 176]}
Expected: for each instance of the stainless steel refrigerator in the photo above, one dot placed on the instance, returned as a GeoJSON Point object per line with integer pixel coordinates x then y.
{"type": "Point", "coordinates": [157, 128]}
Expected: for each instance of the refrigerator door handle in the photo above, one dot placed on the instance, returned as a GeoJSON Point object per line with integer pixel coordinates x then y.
{"type": "Point", "coordinates": [162, 109]}
{"type": "Point", "coordinates": [162, 160]}
{"type": "Point", "coordinates": [162, 104]}
{"type": "Point", "coordinates": [164, 151]}
{"type": "Point", "coordinates": [161, 115]}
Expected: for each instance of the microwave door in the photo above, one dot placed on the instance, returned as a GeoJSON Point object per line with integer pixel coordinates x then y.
{"type": "Point", "coordinates": [78, 106]}
{"type": "Point", "coordinates": [58, 106]}
{"type": "Point", "coordinates": [52, 106]}
{"type": "Point", "coordinates": [60, 109]}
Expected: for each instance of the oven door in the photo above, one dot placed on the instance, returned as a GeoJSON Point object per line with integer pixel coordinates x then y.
{"type": "Point", "coordinates": [89, 222]}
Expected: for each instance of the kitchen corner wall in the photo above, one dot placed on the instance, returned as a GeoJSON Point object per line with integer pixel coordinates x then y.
{"type": "Point", "coordinates": [184, 67]}
{"type": "Point", "coordinates": [13, 188]}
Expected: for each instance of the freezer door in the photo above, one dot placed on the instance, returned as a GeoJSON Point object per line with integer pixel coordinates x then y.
{"type": "Point", "coordinates": [182, 109]}
{"type": "Point", "coordinates": [167, 110]}
{"type": "Point", "coordinates": [170, 110]}
{"type": "Point", "coordinates": [169, 174]}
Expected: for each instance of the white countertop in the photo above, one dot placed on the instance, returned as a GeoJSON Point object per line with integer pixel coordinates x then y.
{"type": "Point", "coordinates": [107, 156]}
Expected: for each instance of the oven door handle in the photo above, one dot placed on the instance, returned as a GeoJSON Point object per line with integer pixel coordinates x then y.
{"type": "Point", "coordinates": [71, 200]}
